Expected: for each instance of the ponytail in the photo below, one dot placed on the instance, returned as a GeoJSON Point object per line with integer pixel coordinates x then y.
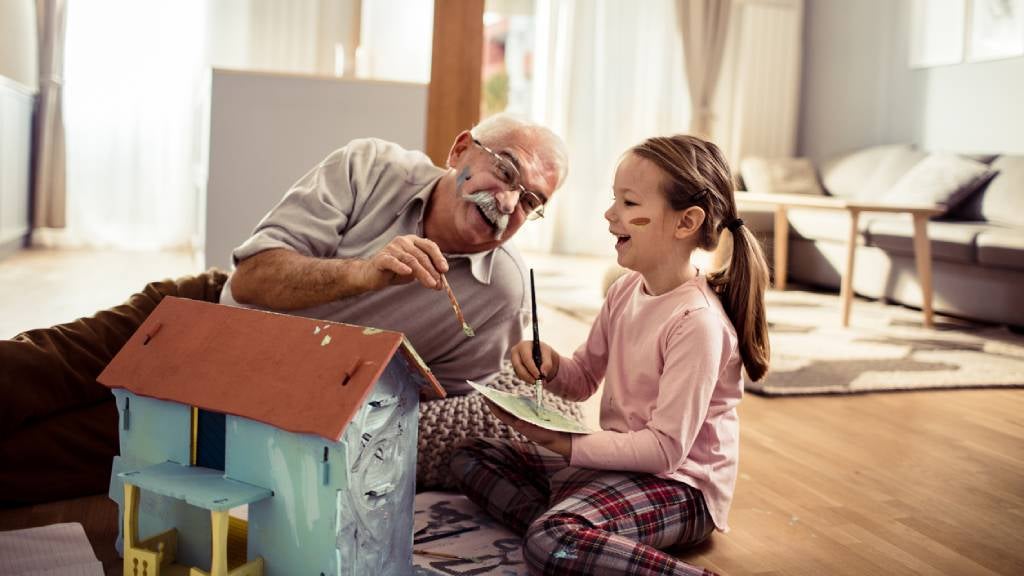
{"type": "Point", "coordinates": [740, 287]}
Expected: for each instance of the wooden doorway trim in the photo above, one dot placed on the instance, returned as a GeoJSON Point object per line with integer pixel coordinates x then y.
{"type": "Point", "coordinates": [453, 100]}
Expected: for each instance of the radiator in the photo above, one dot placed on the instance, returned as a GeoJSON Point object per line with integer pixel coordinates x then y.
{"type": "Point", "coordinates": [16, 104]}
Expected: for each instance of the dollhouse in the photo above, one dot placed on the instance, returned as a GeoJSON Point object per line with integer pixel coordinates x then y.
{"type": "Point", "coordinates": [257, 443]}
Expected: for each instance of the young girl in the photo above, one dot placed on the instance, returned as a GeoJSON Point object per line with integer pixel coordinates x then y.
{"type": "Point", "coordinates": [670, 343]}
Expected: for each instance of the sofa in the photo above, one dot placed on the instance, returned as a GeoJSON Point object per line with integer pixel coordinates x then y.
{"type": "Point", "coordinates": [977, 245]}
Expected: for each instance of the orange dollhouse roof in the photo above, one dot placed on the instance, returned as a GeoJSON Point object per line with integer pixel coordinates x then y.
{"type": "Point", "coordinates": [298, 374]}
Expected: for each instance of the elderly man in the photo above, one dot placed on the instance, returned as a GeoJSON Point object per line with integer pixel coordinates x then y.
{"type": "Point", "coordinates": [363, 238]}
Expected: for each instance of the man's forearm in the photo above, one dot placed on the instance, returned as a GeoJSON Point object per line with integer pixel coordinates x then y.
{"type": "Point", "coordinates": [284, 280]}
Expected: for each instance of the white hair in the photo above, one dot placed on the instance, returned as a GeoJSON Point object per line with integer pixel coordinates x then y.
{"type": "Point", "coordinates": [502, 129]}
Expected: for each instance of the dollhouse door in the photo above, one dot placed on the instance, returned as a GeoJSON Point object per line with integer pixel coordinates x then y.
{"type": "Point", "coordinates": [209, 438]}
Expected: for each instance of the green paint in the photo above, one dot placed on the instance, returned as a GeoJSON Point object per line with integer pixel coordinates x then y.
{"type": "Point", "coordinates": [525, 408]}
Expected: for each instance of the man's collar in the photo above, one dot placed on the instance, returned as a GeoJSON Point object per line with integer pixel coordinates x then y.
{"type": "Point", "coordinates": [480, 263]}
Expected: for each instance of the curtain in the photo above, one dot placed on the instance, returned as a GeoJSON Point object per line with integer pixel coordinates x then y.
{"type": "Point", "coordinates": [134, 72]}
{"type": "Point", "coordinates": [303, 36]}
{"type": "Point", "coordinates": [758, 92]}
{"type": "Point", "coordinates": [48, 179]}
{"type": "Point", "coordinates": [136, 80]}
{"type": "Point", "coordinates": [704, 25]}
{"type": "Point", "coordinates": [608, 75]}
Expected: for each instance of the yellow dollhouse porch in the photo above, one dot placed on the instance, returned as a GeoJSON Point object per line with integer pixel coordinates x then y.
{"type": "Point", "coordinates": [201, 487]}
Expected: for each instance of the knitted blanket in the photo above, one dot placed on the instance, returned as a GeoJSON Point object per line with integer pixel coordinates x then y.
{"type": "Point", "coordinates": [443, 423]}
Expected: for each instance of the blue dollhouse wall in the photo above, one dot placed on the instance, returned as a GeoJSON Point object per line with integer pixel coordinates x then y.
{"type": "Point", "coordinates": [375, 534]}
{"type": "Point", "coordinates": [154, 431]}
{"type": "Point", "coordinates": [350, 514]}
{"type": "Point", "coordinates": [338, 508]}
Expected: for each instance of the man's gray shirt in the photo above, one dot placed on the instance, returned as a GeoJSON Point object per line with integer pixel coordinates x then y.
{"type": "Point", "coordinates": [350, 206]}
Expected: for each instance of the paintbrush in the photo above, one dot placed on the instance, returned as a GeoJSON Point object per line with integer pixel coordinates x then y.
{"type": "Point", "coordinates": [423, 539]}
{"type": "Point", "coordinates": [466, 328]}
{"type": "Point", "coordinates": [444, 555]}
{"type": "Point", "coordinates": [538, 358]}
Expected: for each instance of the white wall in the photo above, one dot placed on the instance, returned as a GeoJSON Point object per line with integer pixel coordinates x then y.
{"type": "Point", "coordinates": [975, 107]}
{"type": "Point", "coordinates": [858, 90]}
{"type": "Point", "coordinates": [18, 48]}
{"type": "Point", "coordinates": [267, 129]}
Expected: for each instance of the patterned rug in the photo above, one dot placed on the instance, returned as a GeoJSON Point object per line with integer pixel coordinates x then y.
{"type": "Point", "coordinates": [454, 537]}
{"type": "Point", "coordinates": [885, 348]}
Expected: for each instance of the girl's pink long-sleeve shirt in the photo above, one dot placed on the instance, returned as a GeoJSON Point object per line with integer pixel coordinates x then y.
{"type": "Point", "coordinates": [671, 368]}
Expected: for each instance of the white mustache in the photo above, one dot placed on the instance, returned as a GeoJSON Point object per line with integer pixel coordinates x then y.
{"type": "Point", "coordinates": [489, 205]}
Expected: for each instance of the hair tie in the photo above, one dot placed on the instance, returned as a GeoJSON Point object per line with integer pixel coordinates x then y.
{"type": "Point", "coordinates": [733, 224]}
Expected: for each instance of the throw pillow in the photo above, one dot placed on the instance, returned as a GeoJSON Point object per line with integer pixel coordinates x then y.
{"type": "Point", "coordinates": [942, 179]}
{"type": "Point", "coordinates": [780, 176]}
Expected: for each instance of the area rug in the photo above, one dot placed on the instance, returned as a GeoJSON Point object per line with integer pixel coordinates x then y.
{"type": "Point", "coordinates": [885, 348]}
{"type": "Point", "coordinates": [453, 537]}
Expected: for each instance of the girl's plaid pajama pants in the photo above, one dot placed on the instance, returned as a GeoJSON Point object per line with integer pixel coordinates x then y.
{"type": "Point", "coordinates": [579, 520]}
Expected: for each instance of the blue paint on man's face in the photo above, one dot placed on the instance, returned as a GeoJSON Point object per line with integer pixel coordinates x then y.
{"type": "Point", "coordinates": [461, 179]}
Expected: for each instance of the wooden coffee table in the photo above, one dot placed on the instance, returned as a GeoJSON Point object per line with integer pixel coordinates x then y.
{"type": "Point", "coordinates": [922, 248]}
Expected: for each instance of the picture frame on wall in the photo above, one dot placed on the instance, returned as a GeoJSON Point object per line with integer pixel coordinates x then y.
{"type": "Point", "coordinates": [936, 32]}
{"type": "Point", "coordinates": [996, 29]}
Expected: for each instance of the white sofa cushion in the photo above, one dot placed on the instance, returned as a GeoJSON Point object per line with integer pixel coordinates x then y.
{"type": "Point", "coordinates": [1001, 247]}
{"type": "Point", "coordinates": [949, 241]}
{"type": "Point", "coordinates": [1003, 200]}
{"type": "Point", "coordinates": [869, 173]}
{"type": "Point", "coordinates": [941, 178]}
{"type": "Point", "coordinates": [780, 176]}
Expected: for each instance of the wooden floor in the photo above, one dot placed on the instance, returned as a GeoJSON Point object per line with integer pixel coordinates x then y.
{"type": "Point", "coordinates": [896, 483]}
{"type": "Point", "coordinates": [891, 483]}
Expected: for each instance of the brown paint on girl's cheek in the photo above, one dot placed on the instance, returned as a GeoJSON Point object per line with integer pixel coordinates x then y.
{"type": "Point", "coordinates": [640, 221]}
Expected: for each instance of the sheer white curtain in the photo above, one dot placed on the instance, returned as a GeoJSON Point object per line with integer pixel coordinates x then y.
{"type": "Point", "coordinates": [757, 102]}
{"type": "Point", "coordinates": [704, 25]}
{"type": "Point", "coordinates": [608, 75]}
{"type": "Point", "coordinates": [304, 36]}
{"type": "Point", "coordinates": [136, 75]}
{"type": "Point", "coordinates": [132, 74]}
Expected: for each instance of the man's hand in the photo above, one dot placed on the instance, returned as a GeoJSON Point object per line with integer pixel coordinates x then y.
{"type": "Point", "coordinates": [558, 442]}
{"type": "Point", "coordinates": [524, 366]}
{"type": "Point", "coordinates": [403, 260]}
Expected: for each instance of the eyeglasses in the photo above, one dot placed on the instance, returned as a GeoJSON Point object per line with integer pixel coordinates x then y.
{"type": "Point", "coordinates": [505, 171]}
